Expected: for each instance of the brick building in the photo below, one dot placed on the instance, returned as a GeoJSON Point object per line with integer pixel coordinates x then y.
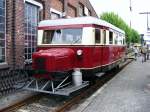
{"type": "Point", "coordinates": [18, 24]}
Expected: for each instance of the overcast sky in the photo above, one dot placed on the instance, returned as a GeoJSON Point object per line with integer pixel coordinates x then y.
{"type": "Point", "coordinates": [121, 7]}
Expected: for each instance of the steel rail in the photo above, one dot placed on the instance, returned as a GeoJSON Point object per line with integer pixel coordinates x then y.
{"type": "Point", "coordinates": [17, 105]}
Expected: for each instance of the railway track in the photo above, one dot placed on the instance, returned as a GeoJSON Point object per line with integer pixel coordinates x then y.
{"type": "Point", "coordinates": [65, 103]}
{"type": "Point", "coordinates": [19, 104]}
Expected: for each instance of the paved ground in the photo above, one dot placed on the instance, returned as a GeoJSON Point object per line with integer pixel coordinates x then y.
{"type": "Point", "coordinates": [126, 92]}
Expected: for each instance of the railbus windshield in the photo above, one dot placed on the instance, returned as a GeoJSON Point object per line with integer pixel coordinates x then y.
{"type": "Point", "coordinates": [62, 36]}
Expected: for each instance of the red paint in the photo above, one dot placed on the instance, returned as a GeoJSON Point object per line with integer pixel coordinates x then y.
{"type": "Point", "coordinates": [54, 59]}
{"type": "Point", "coordinates": [64, 58]}
{"type": "Point", "coordinates": [70, 26]}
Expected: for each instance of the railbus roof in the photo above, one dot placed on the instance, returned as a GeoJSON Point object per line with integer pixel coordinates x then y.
{"type": "Point", "coordinates": [78, 21]}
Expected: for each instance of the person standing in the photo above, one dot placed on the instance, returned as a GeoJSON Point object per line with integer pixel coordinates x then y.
{"type": "Point", "coordinates": [144, 53]}
{"type": "Point", "coordinates": [147, 52]}
{"type": "Point", "coordinates": [135, 52]}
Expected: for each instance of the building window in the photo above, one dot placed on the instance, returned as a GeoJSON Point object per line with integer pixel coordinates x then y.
{"type": "Point", "coordinates": [71, 11]}
{"type": "Point", "coordinates": [55, 14]}
{"type": "Point", "coordinates": [2, 32]}
{"type": "Point", "coordinates": [97, 36]}
{"type": "Point", "coordinates": [104, 36]}
{"type": "Point", "coordinates": [90, 14]}
{"type": "Point", "coordinates": [31, 22]}
{"type": "Point", "coordinates": [110, 37]}
{"type": "Point", "coordinates": [81, 9]}
{"type": "Point", "coordinates": [86, 11]}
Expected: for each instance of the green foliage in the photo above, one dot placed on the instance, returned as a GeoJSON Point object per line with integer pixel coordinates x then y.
{"type": "Point", "coordinates": [131, 34]}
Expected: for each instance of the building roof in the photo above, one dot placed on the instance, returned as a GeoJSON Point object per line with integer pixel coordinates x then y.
{"type": "Point", "coordinates": [78, 21]}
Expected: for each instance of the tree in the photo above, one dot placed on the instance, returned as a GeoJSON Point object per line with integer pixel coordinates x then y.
{"type": "Point", "coordinates": [131, 34]}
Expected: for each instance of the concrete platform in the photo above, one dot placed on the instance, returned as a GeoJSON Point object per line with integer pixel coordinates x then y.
{"type": "Point", "coordinates": [128, 91]}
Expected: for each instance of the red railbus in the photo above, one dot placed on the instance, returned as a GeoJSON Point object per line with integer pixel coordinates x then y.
{"type": "Point", "coordinates": [72, 51]}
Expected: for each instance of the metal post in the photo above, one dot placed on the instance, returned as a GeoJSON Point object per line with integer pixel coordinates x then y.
{"type": "Point", "coordinates": [130, 7]}
{"type": "Point", "coordinates": [147, 23]}
{"type": "Point", "coordinates": [147, 13]}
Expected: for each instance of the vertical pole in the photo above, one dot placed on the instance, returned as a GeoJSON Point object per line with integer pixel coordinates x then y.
{"type": "Point", "coordinates": [130, 12]}
{"type": "Point", "coordinates": [147, 23]}
{"type": "Point", "coordinates": [147, 13]}
{"type": "Point", "coordinates": [130, 6]}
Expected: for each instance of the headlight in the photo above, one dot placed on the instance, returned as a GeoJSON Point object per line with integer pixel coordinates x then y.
{"type": "Point", "coordinates": [40, 50]}
{"type": "Point", "coordinates": [79, 52]}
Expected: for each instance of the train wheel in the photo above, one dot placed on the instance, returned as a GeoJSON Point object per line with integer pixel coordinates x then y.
{"type": "Point", "coordinates": [118, 67]}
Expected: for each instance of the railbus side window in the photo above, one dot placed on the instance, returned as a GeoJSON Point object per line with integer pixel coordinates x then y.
{"type": "Point", "coordinates": [110, 37]}
{"type": "Point", "coordinates": [47, 36]}
{"type": "Point", "coordinates": [104, 36]}
{"type": "Point", "coordinates": [62, 36]}
{"type": "Point", "coordinates": [116, 39]}
{"type": "Point", "coordinates": [121, 39]}
{"type": "Point", "coordinates": [97, 36]}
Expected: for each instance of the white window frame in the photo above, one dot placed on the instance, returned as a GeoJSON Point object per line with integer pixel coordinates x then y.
{"type": "Point", "coordinates": [81, 7]}
{"type": "Point", "coordinates": [39, 5]}
{"type": "Point", "coordinates": [86, 11]}
{"type": "Point", "coordinates": [107, 37]}
{"type": "Point", "coordinates": [35, 3]}
{"type": "Point", "coordinates": [69, 17]}
{"type": "Point", "coordinates": [56, 12]}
